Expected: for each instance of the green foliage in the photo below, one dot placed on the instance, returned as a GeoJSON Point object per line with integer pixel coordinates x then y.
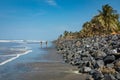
{"type": "Point", "coordinates": [106, 22]}
{"type": "Point", "coordinates": [66, 33]}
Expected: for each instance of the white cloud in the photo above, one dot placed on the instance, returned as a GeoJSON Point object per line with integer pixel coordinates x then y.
{"type": "Point", "coordinates": [51, 2]}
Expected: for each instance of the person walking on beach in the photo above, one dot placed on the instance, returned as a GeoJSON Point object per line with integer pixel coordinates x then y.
{"type": "Point", "coordinates": [46, 43]}
{"type": "Point", "coordinates": [41, 44]}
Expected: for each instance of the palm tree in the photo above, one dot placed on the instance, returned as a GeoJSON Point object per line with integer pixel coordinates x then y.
{"type": "Point", "coordinates": [106, 22]}
{"type": "Point", "coordinates": [60, 36]}
{"type": "Point", "coordinates": [88, 29]}
{"type": "Point", "coordinates": [108, 18]}
{"type": "Point", "coordinates": [119, 27]}
{"type": "Point", "coordinates": [66, 33]}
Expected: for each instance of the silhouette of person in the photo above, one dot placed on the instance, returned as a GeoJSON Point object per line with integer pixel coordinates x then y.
{"type": "Point", "coordinates": [46, 43]}
{"type": "Point", "coordinates": [41, 44]}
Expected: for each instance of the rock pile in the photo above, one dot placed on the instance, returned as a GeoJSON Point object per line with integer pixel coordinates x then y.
{"type": "Point", "coordinates": [97, 56]}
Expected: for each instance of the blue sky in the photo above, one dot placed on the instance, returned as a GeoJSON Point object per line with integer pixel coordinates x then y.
{"type": "Point", "coordinates": [46, 19]}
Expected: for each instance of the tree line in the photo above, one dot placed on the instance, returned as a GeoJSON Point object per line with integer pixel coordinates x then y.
{"type": "Point", "coordinates": [104, 23]}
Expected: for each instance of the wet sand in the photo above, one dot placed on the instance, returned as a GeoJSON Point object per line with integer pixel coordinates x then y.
{"type": "Point", "coordinates": [49, 66]}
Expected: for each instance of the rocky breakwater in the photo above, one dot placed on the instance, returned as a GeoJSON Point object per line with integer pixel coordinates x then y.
{"type": "Point", "coordinates": [97, 56]}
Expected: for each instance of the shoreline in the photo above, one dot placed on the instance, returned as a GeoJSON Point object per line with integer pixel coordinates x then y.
{"type": "Point", "coordinates": [16, 56]}
{"type": "Point", "coordinates": [39, 65]}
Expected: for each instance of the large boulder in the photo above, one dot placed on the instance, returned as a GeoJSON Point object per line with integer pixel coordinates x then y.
{"type": "Point", "coordinates": [109, 59]}
{"type": "Point", "coordinates": [78, 43]}
{"type": "Point", "coordinates": [97, 75]}
{"type": "Point", "coordinates": [117, 64]}
{"type": "Point", "coordinates": [117, 76]}
{"type": "Point", "coordinates": [100, 63]}
{"type": "Point", "coordinates": [87, 69]}
{"type": "Point", "coordinates": [109, 77]}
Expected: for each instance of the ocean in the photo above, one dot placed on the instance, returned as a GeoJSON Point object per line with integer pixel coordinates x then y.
{"type": "Point", "coordinates": [13, 49]}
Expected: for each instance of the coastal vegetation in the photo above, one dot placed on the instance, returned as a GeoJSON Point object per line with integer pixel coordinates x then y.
{"type": "Point", "coordinates": [104, 23]}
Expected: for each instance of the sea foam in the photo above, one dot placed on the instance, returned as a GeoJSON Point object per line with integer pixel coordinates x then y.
{"type": "Point", "coordinates": [13, 58]}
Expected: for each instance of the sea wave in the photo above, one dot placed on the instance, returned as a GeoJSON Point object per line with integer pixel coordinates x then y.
{"type": "Point", "coordinates": [23, 41]}
{"type": "Point", "coordinates": [15, 56]}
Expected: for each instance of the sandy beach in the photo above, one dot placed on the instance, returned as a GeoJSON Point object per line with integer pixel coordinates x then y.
{"type": "Point", "coordinates": [41, 64]}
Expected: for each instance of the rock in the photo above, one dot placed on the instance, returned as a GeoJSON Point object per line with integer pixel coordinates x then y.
{"type": "Point", "coordinates": [89, 77]}
{"type": "Point", "coordinates": [107, 70]}
{"type": "Point", "coordinates": [117, 75]}
{"type": "Point", "coordinates": [86, 58]}
{"type": "Point", "coordinates": [85, 54]}
{"type": "Point", "coordinates": [117, 63]}
{"type": "Point", "coordinates": [97, 75]}
{"type": "Point", "coordinates": [113, 44]}
{"type": "Point", "coordinates": [77, 55]}
{"type": "Point", "coordinates": [97, 56]}
{"type": "Point", "coordinates": [112, 77]}
{"type": "Point", "coordinates": [70, 56]}
{"type": "Point", "coordinates": [92, 71]}
{"type": "Point", "coordinates": [117, 56]}
{"type": "Point", "coordinates": [105, 50]}
{"type": "Point", "coordinates": [110, 65]}
{"type": "Point", "coordinates": [79, 52]}
{"type": "Point", "coordinates": [76, 62]}
{"type": "Point", "coordinates": [66, 60]}
{"type": "Point", "coordinates": [89, 64]}
{"type": "Point", "coordinates": [114, 51]}
{"type": "Point", "coordinates": [109, 77]}
{"type": "Point", "coordinates": [87, 69]}
{"type": "Point", "coordinates": [118, 50]}
{"type": "Point", "coordinates": [114, 37]}
{"type": "Point", "coordinates": [93, 61]}
{"type": "Point", "coordinates": [87, 46]}
{"type": "Point", "coordinates": [102, 54]}
{"type": "Point", "coordinates": [96, 45]}
{"type": "Point", "coordinates": [78, 43]}
{"type": "Point", "coordinates": [81, 70]}
{"type": "Point", "coordinates": [109, 59]}
{"type": "Point", "coordinates": [117, 69]}
{"type": "Point", "coordinates": [72, 62]}
{"type": "Point", "coordinates": [100, 63]}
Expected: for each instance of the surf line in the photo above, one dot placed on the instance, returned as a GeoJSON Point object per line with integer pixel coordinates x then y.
{"type": "Point", "coordinates": [18, 55]}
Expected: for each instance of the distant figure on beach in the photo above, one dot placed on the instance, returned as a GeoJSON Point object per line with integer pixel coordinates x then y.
{"type": "Point", "coordinates": [41, 44]}
{"type": "Point", "coordinates": [46, 43]}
